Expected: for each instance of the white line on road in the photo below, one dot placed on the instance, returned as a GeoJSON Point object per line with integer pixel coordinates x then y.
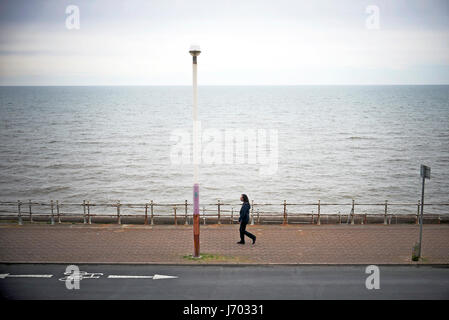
{"type": "Point", "coordinates": [155, 277]}
{"type": "Point", "coordinates": [7, 275]}
{"type": "Point", "coordinates": [112, 276]}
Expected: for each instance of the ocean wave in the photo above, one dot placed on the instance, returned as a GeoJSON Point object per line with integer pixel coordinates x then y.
{"type": "Point", "coordinates": [361, 138]}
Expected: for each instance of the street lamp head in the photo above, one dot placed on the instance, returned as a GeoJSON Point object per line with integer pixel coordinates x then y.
{"type": "Point", "coordinates": [195, 50]}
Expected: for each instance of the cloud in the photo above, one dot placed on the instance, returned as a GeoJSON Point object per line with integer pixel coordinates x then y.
{"type": "Point", "coordinates": [147, 43]}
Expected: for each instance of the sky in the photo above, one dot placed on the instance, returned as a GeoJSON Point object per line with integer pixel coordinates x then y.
{"type": "Point", "coordinates": [242, 42]}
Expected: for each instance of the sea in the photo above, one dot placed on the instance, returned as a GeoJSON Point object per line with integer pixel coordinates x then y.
{"type": "Point", "coordinates": [332, 143]}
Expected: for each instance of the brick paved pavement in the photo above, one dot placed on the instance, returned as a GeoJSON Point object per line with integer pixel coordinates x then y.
{"type": "Point", "coordinates": [292, 244]}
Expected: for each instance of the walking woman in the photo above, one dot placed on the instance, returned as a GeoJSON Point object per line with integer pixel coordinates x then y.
{"type": "Point", "coordinates": [244, 219]}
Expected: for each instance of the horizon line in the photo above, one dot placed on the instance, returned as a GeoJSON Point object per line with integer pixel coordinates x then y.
{"type": "Point", "coordinates": [220, 85]}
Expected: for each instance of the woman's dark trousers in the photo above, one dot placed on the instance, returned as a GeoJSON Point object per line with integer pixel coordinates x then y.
{"type": "Point", "coordinates": [243, 232]}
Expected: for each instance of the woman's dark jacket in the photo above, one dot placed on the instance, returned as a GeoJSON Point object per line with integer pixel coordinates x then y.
{"type": "Point", "coordinates": [244, 212]}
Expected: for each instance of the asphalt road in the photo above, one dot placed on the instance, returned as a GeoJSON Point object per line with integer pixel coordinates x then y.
{"type": "Point", "coordinates": [33, 281]}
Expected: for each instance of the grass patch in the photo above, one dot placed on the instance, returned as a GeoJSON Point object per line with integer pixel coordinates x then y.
{"type": "Point", "coordinates": [422, 259]}
{"type": "Point", "coordinates": [210, 257]}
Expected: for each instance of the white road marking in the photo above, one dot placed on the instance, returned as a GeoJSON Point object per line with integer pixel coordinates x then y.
{"type": "Point", "coordinates": [97, 275]}
{"type": "Point", "coordinates": [81, 275]}
{"type": "Point", "coordinates": [160, 276]}
{"type": "Point", "coordinates": [26, 276]}
{"type": "Point", "coordinates": [112, 276]}
{"type": "Point", "coordinates": [155, 277]}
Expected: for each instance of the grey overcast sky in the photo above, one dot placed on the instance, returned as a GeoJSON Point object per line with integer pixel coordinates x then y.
{"type": "Point", "coordinates": [261, 42]}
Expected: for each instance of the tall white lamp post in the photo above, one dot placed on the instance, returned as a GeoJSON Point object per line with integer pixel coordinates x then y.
{"type": "Point", "coordinates": [195, 52]}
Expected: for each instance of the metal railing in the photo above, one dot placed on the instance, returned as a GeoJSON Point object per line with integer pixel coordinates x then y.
{"type": "Point", "coordinates": [219, 212]}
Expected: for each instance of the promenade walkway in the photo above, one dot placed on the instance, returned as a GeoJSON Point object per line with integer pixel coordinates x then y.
{"type": "Point", "coordinates": [276, 244]}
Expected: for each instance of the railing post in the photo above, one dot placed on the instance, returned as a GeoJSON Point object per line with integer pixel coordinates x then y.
{"type": "Point", "coordinates": [151, 212]}
{"type": "Point", "coordinates": [366, 221]}
{"type": "Point", "coordinates": [31, 216]}
{"type": "Point", "coordinates": [252, 212]}
{"type": "Point", "coordinates": [339, 217]}
{"type": "Point", "coordinates": [285, 212]}
{"type": "Point", "coordinates": [352, 211]}
{"type": "Point", "coordinates": [258, 216]}
{"type": "Point", "coordinates": [84, 212]}
{"type": "Point", "coordinates": [19, 213]}
{"type": "Point", "coordinates": [185, 207]}
{"type": "Point", "coordinates": [232, 215]}
{"type": "Point", "coordinates": [146, 214]}
{"type": "Point", "coordinates": [218, 212]}
{"type": "Point", "coordinates": [386, 212]}
{"type": "Point", "coordinates": [319, 213]}
{"type": "Point", "coordinates": [89, 220]}
{"type": "Point", "coordinates": [204, 215]}
{"type": "Point", "coordinates": [174, 210]}
{"type": "Point", "coordinates": [119, 221]}
{"type": "Point", "coordinates": [57, 211]}
{"type": "Point", "coordinates": [52, 219]}
{"type": "Point", "coordinates": [417, 213]}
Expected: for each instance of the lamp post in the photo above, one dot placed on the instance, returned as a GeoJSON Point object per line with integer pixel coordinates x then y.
{"type": "Point", "coordinates": [195, 52]}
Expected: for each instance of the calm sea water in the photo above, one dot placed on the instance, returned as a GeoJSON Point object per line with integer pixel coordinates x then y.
{"type": "Point", "coordinates": [336, 143]}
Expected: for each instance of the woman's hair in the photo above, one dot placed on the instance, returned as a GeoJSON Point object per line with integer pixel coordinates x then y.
{"type": "Point", "coordinates": [245, 198]}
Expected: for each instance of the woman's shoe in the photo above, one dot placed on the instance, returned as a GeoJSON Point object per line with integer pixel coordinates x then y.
{"type": "Point", "coordinates": [254, 240]}
{"type": "Point", "coordinates": [240, 242]}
